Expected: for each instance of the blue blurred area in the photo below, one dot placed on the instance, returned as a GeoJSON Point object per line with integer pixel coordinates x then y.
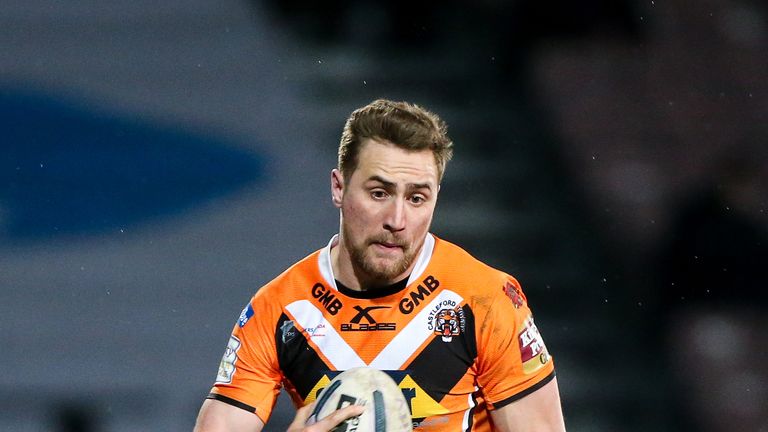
{"type": "Point", "coordinates": [67, 168]}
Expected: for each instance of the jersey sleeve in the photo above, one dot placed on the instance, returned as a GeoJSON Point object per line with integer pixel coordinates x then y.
{"type": "Point", "coordinates": [249, 376]}
{"type": "Point", "coordinates": [512, 358]}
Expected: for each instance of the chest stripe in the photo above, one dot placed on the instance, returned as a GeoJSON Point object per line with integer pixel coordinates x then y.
{"type": "Point", "coordinates": [412, 337]}
{"type": "Point", "coordinates": [331, 344]}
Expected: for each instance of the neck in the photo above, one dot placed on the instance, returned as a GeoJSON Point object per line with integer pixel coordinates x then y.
{"type": "Point", "coordinates": [341, 263]}
{"type": "Point", "coordinates": [354, 278]}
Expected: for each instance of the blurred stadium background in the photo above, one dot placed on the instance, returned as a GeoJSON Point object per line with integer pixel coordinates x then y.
{"type": "Point", "coordinates": [159, 161]}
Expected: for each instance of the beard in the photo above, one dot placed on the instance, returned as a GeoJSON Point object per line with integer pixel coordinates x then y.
{"type": "Point", "coordinates": [364, 259]}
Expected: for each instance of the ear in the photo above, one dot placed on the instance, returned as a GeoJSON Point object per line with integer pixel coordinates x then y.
{"type": "Point", "coordinates": [337, 187]}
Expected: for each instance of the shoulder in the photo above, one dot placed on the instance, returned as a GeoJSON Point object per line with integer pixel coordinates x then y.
{"type": "Point", "coordinates": [270, 299]}
{"type": "Point", "coordinates": [479, 283]}
{"type": "Point", "coordinates": [294, 278]}
{"type": "Point", "coordinates": [463, 268]}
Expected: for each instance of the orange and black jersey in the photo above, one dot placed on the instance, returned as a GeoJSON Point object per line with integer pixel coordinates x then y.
{"type": "Point", "coordinates": [457, 336]}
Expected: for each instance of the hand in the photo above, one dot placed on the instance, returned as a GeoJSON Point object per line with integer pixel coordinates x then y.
{"type": "Point", "coordinates": [327, 423]}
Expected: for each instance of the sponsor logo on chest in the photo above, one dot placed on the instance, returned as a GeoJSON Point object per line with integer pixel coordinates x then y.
{"type": "Point", "coordinates": [417, 295]}
{"type": "Point", "coordinates": [327, 298]}
{"type": "Point", "coordinates": [370, 324]}
{"type": "Point", "coordinates": [316, 331]}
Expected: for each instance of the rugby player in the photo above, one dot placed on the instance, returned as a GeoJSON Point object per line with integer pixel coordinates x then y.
{"type": "Point", "coordinates": [457, 335]}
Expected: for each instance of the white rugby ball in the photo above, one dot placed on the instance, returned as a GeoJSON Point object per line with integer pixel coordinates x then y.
{"type": "Point", "coordinates": [386, 409]}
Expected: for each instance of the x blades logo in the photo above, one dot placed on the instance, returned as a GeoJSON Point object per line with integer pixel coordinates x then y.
{"type": "Point", "coordinates": [371, 325]}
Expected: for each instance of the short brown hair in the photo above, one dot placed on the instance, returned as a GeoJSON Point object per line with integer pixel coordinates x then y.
{"type": "Point", "coordinates": [403, 124]}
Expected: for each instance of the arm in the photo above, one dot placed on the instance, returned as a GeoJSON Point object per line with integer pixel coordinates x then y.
{"type": "Point", "coordinates": [216, 416]}
{"type": "Point", "coordinates": [537, 412]}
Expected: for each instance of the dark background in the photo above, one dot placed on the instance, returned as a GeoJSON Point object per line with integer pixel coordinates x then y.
{"type": "Point", "coordinates": [159, 162]}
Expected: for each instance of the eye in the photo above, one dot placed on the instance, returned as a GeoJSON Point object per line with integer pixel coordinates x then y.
{"type": "Point", "coordinates": [378, 194]}
{"type": "Point", "coordinates": [418, 199]}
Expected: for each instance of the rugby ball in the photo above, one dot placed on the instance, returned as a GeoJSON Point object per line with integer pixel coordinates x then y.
{"type": "Point", "coordinates": [386, 409]}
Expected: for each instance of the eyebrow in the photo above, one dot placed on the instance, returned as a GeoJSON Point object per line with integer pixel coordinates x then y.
{"type": "Point", "coordinates": [389, 184]}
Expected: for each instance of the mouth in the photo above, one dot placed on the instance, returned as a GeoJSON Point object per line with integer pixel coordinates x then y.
{"type": "Point", "coordinates": [387, 246]}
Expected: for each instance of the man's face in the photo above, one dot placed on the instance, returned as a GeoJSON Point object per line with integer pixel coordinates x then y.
{"type": "Point", "coordinates": [386, 209]}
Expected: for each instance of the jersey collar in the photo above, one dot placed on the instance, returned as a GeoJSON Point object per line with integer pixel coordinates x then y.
{"type": "Point", "coordinates": [326, 269]}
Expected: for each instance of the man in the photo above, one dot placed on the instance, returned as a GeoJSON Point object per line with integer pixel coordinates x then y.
{"type": "Point", "coordinates": [456, 335]}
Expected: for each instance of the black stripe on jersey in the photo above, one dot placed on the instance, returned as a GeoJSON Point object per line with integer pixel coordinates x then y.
{"type": "Point", "coordinates": [441, 365]}
{"type": "Point", "coordinates": [525, 392]}
{"type": "Point", "coordinates": [299, 362]}
{"type": "Point", "coordinates": [230, 401]}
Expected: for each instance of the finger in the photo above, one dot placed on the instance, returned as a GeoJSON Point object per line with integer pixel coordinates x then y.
{"type": "Point", "coordinates": [336, 417]}
{"type": "Point", "coordinates": [302, 414]}
{"type": "Point", "coordinates": [299, 422]}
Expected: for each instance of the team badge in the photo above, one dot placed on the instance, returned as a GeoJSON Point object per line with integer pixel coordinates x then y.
{"type": "Point", "coordinates": [533, 352]}
{"type": "Point", "coordinates": [447, 320]}
{"type": "Point", "coordinates": [447, 324]}
{"type": "Point", "coordinates": [227, 365]}
{"type": "Point", "coordinates": [514, 294]}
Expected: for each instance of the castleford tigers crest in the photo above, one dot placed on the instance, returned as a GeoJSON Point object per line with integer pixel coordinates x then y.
{"type": "Point", "coordinates": [447, 320]}
{"type": "Point", "coordinates": [447, 324]}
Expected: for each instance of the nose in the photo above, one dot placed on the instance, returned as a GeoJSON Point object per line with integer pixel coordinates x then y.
{"type": "Point", "coordinates": [395, 216]}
